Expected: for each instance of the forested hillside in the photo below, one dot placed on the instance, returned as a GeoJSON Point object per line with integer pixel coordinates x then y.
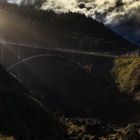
{"type": "Point", "coordinates": [67, 30]}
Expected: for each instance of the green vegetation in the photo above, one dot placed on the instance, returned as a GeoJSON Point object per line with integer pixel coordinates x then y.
{"type": "Point", "coordinates": [6, 138]}
{"type": "Point", "coordinates": [127, 74]}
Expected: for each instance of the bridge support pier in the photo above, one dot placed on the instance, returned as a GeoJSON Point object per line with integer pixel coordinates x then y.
{"type": "Point", "coordinates": [19, 53]}
{"type": "Point", "coordinates": [2, 54]}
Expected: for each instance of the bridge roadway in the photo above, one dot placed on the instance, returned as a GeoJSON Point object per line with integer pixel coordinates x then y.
{"type": "Point", "coordinates": [20, 46]}
{"type": "Point", "coordinates": [59, 49]}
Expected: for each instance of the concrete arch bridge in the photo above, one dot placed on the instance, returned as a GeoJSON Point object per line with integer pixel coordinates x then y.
{"type": "Point", "coordinates": [12, 54]}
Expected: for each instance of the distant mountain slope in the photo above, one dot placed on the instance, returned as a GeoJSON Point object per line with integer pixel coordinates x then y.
{"type": "Point", "coordinates": [70, 30]}
{"type": "Point", "coordinates": [21, 115]}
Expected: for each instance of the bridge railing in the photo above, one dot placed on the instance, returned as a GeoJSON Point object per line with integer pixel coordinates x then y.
{"type": "Point", "coordinates": [19, 51]}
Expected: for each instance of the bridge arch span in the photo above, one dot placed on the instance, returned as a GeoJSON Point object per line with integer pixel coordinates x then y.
{"type": "Point", "coordinates": [43, 55]}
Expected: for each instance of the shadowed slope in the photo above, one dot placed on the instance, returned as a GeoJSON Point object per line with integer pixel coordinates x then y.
{"type": "Point", "coordinates": [21, 115]}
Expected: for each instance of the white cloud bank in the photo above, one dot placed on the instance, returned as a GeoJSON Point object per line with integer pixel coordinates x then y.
{"type": "Point", "coordinates": [123, 16]}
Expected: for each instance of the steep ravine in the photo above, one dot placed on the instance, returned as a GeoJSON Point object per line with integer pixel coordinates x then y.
{"type": "Point", "coordinates": [63, 86]}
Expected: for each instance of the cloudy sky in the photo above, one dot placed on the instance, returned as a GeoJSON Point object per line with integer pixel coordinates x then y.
{"type": "Point", "coordinates": [123, 16]}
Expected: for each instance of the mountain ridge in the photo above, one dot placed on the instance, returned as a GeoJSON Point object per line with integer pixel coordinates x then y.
{"type": "Point", "coordinates": [65, 30]}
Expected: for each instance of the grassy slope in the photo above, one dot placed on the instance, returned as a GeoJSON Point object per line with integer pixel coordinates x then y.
{"type": "Point", "coordinates": [6, 138]}
{"type": "Point", "coordinates": [127, 74]}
